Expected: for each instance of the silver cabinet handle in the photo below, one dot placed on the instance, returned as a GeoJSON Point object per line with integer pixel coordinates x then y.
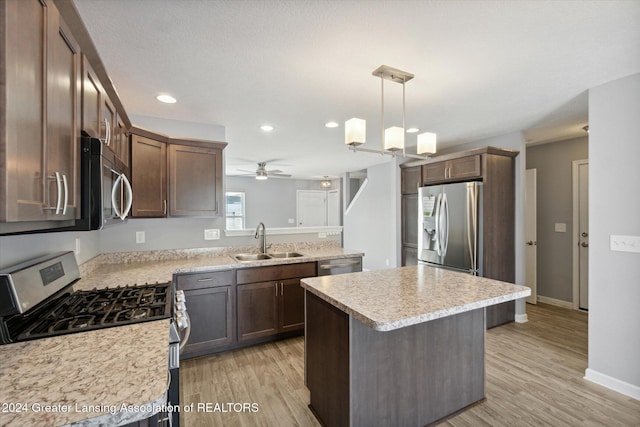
{"type": "Point", "coordinates": [66, 194]}
{"type": "Point", "coordinates": [165, 206]}
{"type": "Point", "coordinates": [108, 131]}
{"type": "Point", "coordinates": [277, 289]}
{"type": "Point", "coordinates": [59, 201]}
{"type": "Point", "coordinates": [206, 279]}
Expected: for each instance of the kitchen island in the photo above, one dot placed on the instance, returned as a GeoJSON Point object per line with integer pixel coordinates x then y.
{"type": "Point", "coordinates": [401, 346]}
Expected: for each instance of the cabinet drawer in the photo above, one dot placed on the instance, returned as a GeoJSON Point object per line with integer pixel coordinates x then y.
{"type": "Point", "coordinates": [204, 280]}
{"type": "Point", "coordinates": [276, 272]}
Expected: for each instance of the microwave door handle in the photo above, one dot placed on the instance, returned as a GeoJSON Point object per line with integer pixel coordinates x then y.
{"type": "Point", "coordinates": [114, 199]}
{"type": "Point", "coordinates": [129, 196]}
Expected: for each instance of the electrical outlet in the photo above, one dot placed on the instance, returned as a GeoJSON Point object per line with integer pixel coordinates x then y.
{"type": "Point", "coordinates": [291, 221]}
{"type": "Point", "coordinates": [140, 237]}
{"type": "Point", "coordinates": [322, 235]}
{"type": "Point", "coordinates": [625, 243]}
{"type": "Point", "coordinates": [212, 234]}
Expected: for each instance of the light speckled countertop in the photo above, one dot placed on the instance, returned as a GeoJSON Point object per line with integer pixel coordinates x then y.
{"type": "Point", "coordinates": [398, 297]}
{"type": "Point", "coordinates": [85, 378]}
{"type": "Point", "coordinates": [112, 366]}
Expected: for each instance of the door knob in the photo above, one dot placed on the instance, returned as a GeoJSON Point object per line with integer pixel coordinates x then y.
{"type": "Point", "coordinates": [585, 234]}
{"type": "Point", "coordinates": [530, 243]}
{"type": "Point", "coordinates": [584, 244]}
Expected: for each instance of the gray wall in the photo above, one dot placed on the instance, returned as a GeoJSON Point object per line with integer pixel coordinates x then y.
{"type": "Point", "coordinates": [614, 206]}
{"type": "Point", "coordinates": [272, 201]}
{"type": "Point", "coordinates": [15, 249]}
{"type": "Point", "coordinates": [553, 163]}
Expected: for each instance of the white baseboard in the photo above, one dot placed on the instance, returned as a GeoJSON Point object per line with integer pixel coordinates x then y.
{"type": "Point", "coordinates": [522, 318]}
{"type": "Point", "coordinates": [556, 302]}
{"type": "Point", "coordinates": [612, 383]}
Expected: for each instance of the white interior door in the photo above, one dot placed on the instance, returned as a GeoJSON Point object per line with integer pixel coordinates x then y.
{"type": "Point", "coordinates": [312, 208]}
{"type": "Point", "coordinates": [530, 220]}
{"type": "Point", "coordinates": [581, 233]}
{"type": "Point", "coordinates": [333, 207]}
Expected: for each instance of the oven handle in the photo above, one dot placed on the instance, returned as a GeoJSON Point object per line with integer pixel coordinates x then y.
{"type": "Point", "coordinates": [184, 337]}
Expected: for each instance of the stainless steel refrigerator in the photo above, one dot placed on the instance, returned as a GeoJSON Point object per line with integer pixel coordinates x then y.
{"type": "Point", "coordinates": [450, 226]}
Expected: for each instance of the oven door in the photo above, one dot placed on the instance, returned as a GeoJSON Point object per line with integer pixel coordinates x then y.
{"type": "Point", "coordinates": [117, 195]}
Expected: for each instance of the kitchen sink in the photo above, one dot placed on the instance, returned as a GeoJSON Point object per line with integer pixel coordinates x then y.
{"type": "Point", "coordinates": [250, 257]}
{"type": "Point", "coordinates": [286, 254]}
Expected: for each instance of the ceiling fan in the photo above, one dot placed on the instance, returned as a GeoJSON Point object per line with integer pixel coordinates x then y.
{"type": "Point", "coordinates": [262, 173]}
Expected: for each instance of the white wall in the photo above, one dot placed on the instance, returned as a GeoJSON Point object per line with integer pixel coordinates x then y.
{"type": "Point", "coordinates": [371, 224]}
{"type": "Point", "coordinates": [614, 209]}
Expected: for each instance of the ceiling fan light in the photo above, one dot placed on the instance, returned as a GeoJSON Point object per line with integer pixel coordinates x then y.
{"type": "Point", "coordinates": [426, 143]}
{"type": "Point", "coordinates": [355, 131]}
{"type": "Point", "coordinates": [394, 138]}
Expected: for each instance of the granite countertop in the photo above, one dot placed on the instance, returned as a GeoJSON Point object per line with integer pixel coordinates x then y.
{"type": "Point", "coordinates": [391, 299]}
{"type": "Point", "coordinates": [131, 270]}
{"type": "Point", "coordinates": [85, 378]}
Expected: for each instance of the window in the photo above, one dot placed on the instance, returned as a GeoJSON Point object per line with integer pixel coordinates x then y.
{"type": "Point", "coordinates": [235, 210]}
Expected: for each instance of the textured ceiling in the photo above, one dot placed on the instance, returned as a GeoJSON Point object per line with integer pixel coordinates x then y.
{"type": "Point", "coordinates": [481, 68]}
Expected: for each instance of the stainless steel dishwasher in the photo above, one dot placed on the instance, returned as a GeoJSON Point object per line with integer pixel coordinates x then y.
{"type": "Point", "coordinates": [339, 266]}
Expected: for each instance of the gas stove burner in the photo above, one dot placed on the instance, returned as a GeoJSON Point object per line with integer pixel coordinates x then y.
{"type": "Point", "coordinates": [133, 314]}
{"type": "Point", "coordinates": [72, 323]}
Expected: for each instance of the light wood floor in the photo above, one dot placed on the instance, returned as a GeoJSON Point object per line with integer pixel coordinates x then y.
{"type": "Point", "coordinates": [533, 377]}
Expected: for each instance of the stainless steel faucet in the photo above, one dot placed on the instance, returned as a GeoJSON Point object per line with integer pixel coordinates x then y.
{"type": "Point", "coordinates": [263, 243]}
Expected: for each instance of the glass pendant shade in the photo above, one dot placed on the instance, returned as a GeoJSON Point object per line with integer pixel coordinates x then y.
{"type": "Point", "coordinates": [394, 138]}
{"type": "Point", "coordinates": [426, 143]}
{"type": "Point", "coordinates": [355, 131]}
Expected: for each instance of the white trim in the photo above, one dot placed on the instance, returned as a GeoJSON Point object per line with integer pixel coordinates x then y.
{"type": "Point", "coordinates": [575, 273]}
{"type": "Point", "coordinates": [353, 201]}
{"type": "Point", "coordinates": [611, 383]}
{"type": "Point", "coordinates": [522, 318]}
{"type": "Point", "coordinates": [556, 302]}
{"type": "Point", "coordinates": [286, 230]}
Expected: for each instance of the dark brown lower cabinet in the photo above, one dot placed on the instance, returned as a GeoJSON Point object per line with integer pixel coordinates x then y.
{"type": "Point", "coordinates": [257, 310]}
{"type": "Point", "coordinates": [210, 301]}
{"type": "Point", "coordinates": [273, 306]}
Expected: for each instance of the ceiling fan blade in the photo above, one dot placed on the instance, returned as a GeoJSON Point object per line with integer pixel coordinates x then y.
{"type": "Point", "coordinates": [274, 171]}
{"type": "Point", "coordinates": [283, 175]}
{"type": "Point", "coordinates": [244, 170]}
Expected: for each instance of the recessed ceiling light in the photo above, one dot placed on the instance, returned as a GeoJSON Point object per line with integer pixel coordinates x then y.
{"type": "Point", "coordinates": [266, 128]}
{"type": "Point", "coordinates": [167, 99]}
{"type": "Point", "coordinates": [413, 130]}
{"type": "Point", "coordinates": [331, 124]}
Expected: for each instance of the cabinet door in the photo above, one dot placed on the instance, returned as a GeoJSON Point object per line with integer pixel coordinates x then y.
{"type": "Point", "coordinates": [148, 177]}
{"type": "Point", "coordinates": [409, 256]}
{"type": "Point", "coordinates": [211, 315]}
{"type": "Point", "coordinates": [257, 310]}
{"type": "Point", "coordinates": [465, 167]}
{"type": "Point", "coordinates": [63, 133]}
{"type": "Point", "coordinates": [195, 181]}
{"type": "Point", "coordinates": [411, 179]}
{"type": "Point", "coordinates": [22, 98]}
{"type": "Point", "coordinates": [291, 305]}
{"type": "Point", "coordinates": [91, 91]}
{"type": "Point", "coordinates": [108, 121]}
{"type": "Point", "coordinates": [434, 172]}
{"type": "Point", "coordinates": [410, 219]}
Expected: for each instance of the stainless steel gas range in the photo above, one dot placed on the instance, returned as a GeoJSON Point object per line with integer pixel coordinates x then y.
{"type": "Point", "coordinates": [37, 301]}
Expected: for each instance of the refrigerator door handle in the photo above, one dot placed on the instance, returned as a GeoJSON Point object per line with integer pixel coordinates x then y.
{"type": "Point", "coordinates": [444, 228]}
{"type": "Point", "coordinates": [438, 232]}
{"type": "Point", "coordinates": [472, 226]}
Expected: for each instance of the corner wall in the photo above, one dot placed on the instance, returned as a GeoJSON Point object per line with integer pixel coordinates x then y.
{"type": "Point", "coordinates": [614, 206]}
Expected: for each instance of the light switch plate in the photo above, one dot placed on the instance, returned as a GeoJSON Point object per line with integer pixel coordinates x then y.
{"type": "Point", "coordinates": [625, 243]}
{"type": "Point", "coordinates": [561, 227]}
{"type": "Point", "coordinates": [212, 234]}
{"type": "Point", "coordinates": [140, 237]}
